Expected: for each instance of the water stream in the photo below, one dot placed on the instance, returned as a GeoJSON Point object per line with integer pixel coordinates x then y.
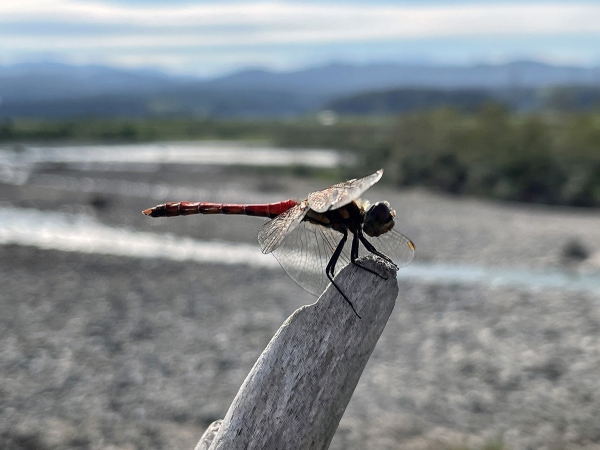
{"type": "Point", "coordinates": [16, 164]}
{"type": "Point", "coordinates": [81, 233]}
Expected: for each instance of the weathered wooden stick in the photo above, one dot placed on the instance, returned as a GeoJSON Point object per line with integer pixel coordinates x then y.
{"type": "Point", "coordinates": [297, 391]}
{"type": "Point", "coordinates": [209, 435]}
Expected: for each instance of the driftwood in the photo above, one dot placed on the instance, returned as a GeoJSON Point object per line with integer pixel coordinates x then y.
{"type": "Point", "coordinates": [297, 391]}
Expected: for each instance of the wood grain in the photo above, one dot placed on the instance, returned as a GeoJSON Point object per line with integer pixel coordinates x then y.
{"type": "Point", "coordinates": [298, 390]}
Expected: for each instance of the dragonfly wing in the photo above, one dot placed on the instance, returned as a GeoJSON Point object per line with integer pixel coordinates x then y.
{"type": "Point", "coordinates": [394, 245]}
{"type": "Point", "coordinates": [305, 253]}
{"type": "Point", "coordinates": [272, 234]}
{"type": "Point", "coordinates": [341, 194]}
{"type": "Point", "coordinates": [308, 248]}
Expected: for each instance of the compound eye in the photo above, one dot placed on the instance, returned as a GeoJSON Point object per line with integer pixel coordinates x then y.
{"type": "Point", "coordinates": [379, 219]}
{"type": "Point", "coordinates": [378, 213]}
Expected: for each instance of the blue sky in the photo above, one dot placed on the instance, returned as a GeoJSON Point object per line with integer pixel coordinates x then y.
{"type": "Point", "coordinates": [211, 37]}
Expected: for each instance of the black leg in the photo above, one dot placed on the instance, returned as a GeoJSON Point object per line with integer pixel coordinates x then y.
{"type": "Point", "coordinates": [354, 255]}
{"type": "Point", "coordinates": [330, 269]}
{"type": "Point", "coordinates": [373, 250]}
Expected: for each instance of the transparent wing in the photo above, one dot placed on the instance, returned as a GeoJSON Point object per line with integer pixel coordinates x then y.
{"type": "Point", "coordinates": [341, 194]}
{"type": "Point", "coordinates": [274, 231]}
{"type": "Point", "coordinates": [305, 253]}
{"type": "Point", "coordinates": [394, 245]}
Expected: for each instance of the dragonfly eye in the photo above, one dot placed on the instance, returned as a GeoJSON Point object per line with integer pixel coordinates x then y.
{"type": "Point", "coordinates": [379, 219]}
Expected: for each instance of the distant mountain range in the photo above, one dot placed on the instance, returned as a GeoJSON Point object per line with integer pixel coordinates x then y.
{"type": "Point", "coordinates": [59, 91]}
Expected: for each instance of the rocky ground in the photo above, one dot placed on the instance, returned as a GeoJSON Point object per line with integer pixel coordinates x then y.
{"type": "Point", "coordinates": [125, 353]}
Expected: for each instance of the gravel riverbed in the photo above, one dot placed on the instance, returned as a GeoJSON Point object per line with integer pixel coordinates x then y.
{"type": "Point", "coordinates": [100, 351]}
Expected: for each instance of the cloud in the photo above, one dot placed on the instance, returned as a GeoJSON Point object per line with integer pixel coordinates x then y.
{"type": "Point", "coordinates": [306, 22]}
{"type": "Point", "coordinates": [75, 27]}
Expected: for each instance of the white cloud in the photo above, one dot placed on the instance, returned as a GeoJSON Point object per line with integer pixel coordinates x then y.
{"type": "Point", "coordinates": [117, 31]}
{"type": "Point", "coordinates": [306, 22]}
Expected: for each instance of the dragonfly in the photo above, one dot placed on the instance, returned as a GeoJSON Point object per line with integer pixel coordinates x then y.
{"type": "Point", "coordinates": [309, 238]}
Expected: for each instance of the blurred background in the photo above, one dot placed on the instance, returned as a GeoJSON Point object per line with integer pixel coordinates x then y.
{"type": "Point", "coordinates": [119, 331]}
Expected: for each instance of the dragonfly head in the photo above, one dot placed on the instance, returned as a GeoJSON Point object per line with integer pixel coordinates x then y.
{"type": "Point", "coordinates": [379, 219]}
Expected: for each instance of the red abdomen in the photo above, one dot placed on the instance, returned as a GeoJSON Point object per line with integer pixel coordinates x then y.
{"type": "Point", "coordinates": [172, 209]}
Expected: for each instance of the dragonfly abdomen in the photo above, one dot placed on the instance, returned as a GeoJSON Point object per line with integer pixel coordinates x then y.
{"type": "Point", "coordinates": [171, 209]}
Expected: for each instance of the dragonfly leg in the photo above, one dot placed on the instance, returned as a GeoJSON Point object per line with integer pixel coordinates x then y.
{"type": "Point", "coordinates": [373, 250]}
{"type": "Point", "coordinates": [330, 269]}
{"type": "Point", "coordinates": [354, 255]}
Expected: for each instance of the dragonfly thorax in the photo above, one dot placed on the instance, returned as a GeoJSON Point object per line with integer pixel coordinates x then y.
{"type": "Point", "coordinates": [378, 219]}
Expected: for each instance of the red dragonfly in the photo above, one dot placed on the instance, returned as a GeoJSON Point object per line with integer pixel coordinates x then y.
{"type": "Point", "coordinates": [310, 238]}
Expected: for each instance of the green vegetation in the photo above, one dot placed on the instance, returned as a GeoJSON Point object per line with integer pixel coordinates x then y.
{"type": "Point", "coordinates": [537, 158]}
{"type": "Point", "coordinates": [131, 130]}
{"type": "Point", "coordinates": [399, 101]}
{"type": "Point", "coordinates": [550, 158]}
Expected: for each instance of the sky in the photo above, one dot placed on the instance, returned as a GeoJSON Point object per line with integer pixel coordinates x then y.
{"type": "Point", "coordinates": [207, 38]}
